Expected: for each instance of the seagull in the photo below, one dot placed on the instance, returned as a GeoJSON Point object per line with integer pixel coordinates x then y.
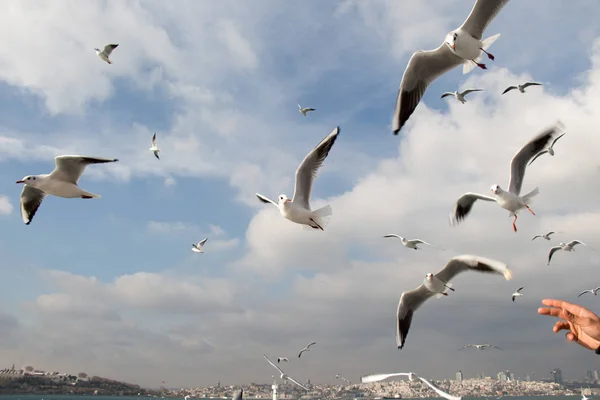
{"type": "Point", "coordinates": [412, 377]}
{"type": "Point", "coordinates": [154, 147]}
{"type": "Point", "coordinates": [509, 200]}
{"type": "Point", "coordinates": [239, 395]}
{"type": "Point", "coordinates": [279, 359]}
{"type": "Point", "coordinates": [307, 348]}
{"type": "Point", "coordinates": [284, 376]}
{"type": "Point", "coordinates": [517, 294]}
{"type": "Point", "coordinates": [198, 247]}
{"type": "Point", "coordinates": [61, 182]}
{"type": "Point", "coordinates": [549, 150]}
{"type": "Point", "coordinates": [105, 53]}
{"type": "Point", "coordinates": [460, 96]}
{"type": "Point", "coordinates": [438, 284]}
{"type": "Point", "coordinates": [592, 291]}
{"type": "Point", "coordinates": [566, 247]}
{"type": "Point", "coordinates": [545, 236]}
{"type": "Point", "coordinates": [461, 46]}
{"type": "Point", "coordinates": [411, 244]}
{"type": "Point", "coordinates": [306, 110]}
{"type": "Point", "coordinates": [521, 87]}
{"type": "Point", "coordinates": [480, 346]}
{"type": "Point", "coordinates": [298, 208]}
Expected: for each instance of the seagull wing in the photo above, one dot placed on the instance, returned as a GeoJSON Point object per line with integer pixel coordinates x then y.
{"type": "Point", "coordinates": [70, 168]}
{"type": "Point", "coordinates": [389, 235]}
{"type": "Point", "coordinates": [309, 109]}
{"type": "Point", "coordinates": [552, 251]}
{"type": "Point", "coordinates": [154, 140]}
{"type": "Point", "coordinates": [519, 289]}
{"type": "Point", "coordinates": [584, 292]}
{"type": "Point", "coordinates": [289, 378]}
{"type": "Point", "coordinates": [463, 206]}
{"type": "Point", "coordinates": [508, 89]}
{"type": "Point", "coordinates": [265, 199]}
{"type": "Point", "coordinates": [31, 199]}
{"type": "Point", "coordinates": [481, 15]}
{"type": "Point", "coordinates": [109, 48]}
{"type": "Point", "coordinates": [446, 94]}
{"type": "Point", "coordinates": [556, 140]}
{"type": "Point", "coordinates": [572, 243]}
{"type": "Point", "coordinates": [417, 241]}
{"type": "Point", "coordinates": [541, 153]}
{"type": "Point", "coordinates": [408, 304]}
{"type": "Point", "coordinates": [527, 84]}
{"type": "Point", "coordinates": [380, 377]}
{"type": "Point", "coordinates": [196, 249]}
{"type": "Point", "coordinates": [201, 243]}
{"type": "Point", "coordinates": [495, 347]}
{"type": "Point", "coordinates": [468, 262]}
{"type": "Point", "coordinates": [422, 69]}
{"type": "Point", "coordinates": [311, 344]}
{"type": "Point", "coordinates": [467, 91]}
{"type": "Point", "coordinates": [537, 236]}
{"type": "Point", "coordinates": [520, 160]}
{"type": "Point", "coordinates": [307, 170]}
{"type": "Point", "coordinates": [301, 351]}
{"type": "Point", "coordinates": [274, 366]}
{"type": "Point", "coordinates": [432, 386]}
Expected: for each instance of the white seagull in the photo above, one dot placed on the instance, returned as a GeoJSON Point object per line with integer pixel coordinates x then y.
{"type": "Point", "coordinates": [438, 285]}
{"type": "Point", "coordinates": [480, 346]}
{"type": "Point", "coordinates": [298, 208]}
{"type": "Point", "coordinates": [283, 375]}
{"type": "Point", "coordinates": [280, 359]}
{"type": "Point", "coordinates": [411, 244]}
{"type": "Point", "coordinates": [198, 248]}
{"type": "Point", "coordinates": [61, 182]}
{"type": "Point", "coordinates": [460, 96]}
{"type": "Point", "coordinates": [306, 110]}
{"type": "Point", "coordinates": [154, 147]}
{"type": "Point", "coordinates": [517, 294]}
{"type": "Point", "coordinates": [592, 291]}
{"type": "Point", "coordinates": [461, 46]}
{"type": "Point", "coordinates": [549, 150]}
{"type": "Point", "coordinates": [412, 377]}
{"type": "Point", "coordinates": [544, 235]}
{"type": "Point", "coordinates": [521, 87]}
{"type": "Point", "coordinates": [566, 247]}
{"type": "Point", "coordinates": [509, 200]}
{"type": "Point", "coordinates": [105, 53]}
{"type": "Point", "coordinates": [239, 395]}
{"type": "Point", "coordinates": [307, 348]}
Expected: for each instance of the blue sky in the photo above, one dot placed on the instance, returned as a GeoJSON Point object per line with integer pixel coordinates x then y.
{"type": "Point", "coordinates": [219, 82]}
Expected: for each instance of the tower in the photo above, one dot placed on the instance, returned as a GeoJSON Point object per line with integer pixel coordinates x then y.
{"type": "Point", "coordinates": [274, 388]}
{"type": "Point", "coordinates": [459, 376]}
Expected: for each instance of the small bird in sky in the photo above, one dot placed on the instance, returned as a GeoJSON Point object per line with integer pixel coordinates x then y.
{"type": "Point", "coordinates": [105, 53]}
{"type": "Point", "coordinates": [154, 147]}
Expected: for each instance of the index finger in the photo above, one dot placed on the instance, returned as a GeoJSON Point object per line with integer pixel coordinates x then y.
{"type": "Point", "coordinates": [570, 307]}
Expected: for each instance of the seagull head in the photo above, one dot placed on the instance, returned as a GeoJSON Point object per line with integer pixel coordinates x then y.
{"type": "Point", "coordinates": [561, 244]}
{"type": "Point", "coordinates": [98, 50]}
{"type": "Point", "coordinates": [495, 189]}
{"type": "Point", "coordinates": [451, 39]}
{"type": "Point", "coordinates": [29, 180]}
{"type": "Point", "coordinates": [283, 199]}
{"type": "Point", "coordinates": [429, 276]}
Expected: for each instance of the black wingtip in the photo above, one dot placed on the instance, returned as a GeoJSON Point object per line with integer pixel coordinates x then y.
{"type": "Point", "coordinates": [115, 160]}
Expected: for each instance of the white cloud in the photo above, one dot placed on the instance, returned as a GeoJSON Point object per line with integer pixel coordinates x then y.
{"type": "Point", "coordinates": [5, 206]}
{"type": "Point", "coordinates": [167, 227]}
{"type": "Point", "coordinates": [169, 181]}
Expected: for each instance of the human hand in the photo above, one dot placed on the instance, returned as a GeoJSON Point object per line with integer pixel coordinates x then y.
{"type": "Point", "coordinates": [582, 324]}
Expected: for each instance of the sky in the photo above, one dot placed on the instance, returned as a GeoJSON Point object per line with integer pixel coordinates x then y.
{"type": "Point", "coordinates": [111, 287]}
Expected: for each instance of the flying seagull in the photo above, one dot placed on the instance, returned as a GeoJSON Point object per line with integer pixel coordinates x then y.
{"type": "Point", "coordinates": [566, 247]}
{"type": "Point", "coordinates": [154, 147]}
{"type": "Point", "coordinates": [460, 96]}
{"type": "Point", "coordinates": [298, 208]}
{"type": "Point", "coordinates": [509, 200]}
{"type": "Point", "coordinates": [549, 150]}
{"type": "Point", "coordinates": [283, 375]}
{"type": "Point", "coordinates": [61, 182]}
{"type": "Point", "coordinates": [461, 46]}
{"type": "Point", "coordinates": [412, 377]}
{"type": "Point", "coordinates": [544, 235]}
{"type": "Point", "coordinates": [198, 248]}
{"type": "Point", "coordinates": [306, 110]}
{"type": "Point", "coordinates": [521, 87]}
{"type": "Point", "coordinates": [480, 346]}
{"type": "Point", "coordinates": [280, 359]}
{"type": "Point", "coordinates": [307, 348]}
{"type": "Point", "coordinates": [239, 395]}
{"type": "Point", "coordinates": [438, 285]}
{"type": "Point", "coordinates": [517, 294]}
{"type": "Point", "coordinates": [411, 244]}
{"type": "Point", "coordinates": [105, 53]}
{"type": "Point", "coordinates": [592, 291]}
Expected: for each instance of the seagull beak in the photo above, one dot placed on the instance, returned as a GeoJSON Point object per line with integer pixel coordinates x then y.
{"type": "Point", "coordinates": [453, 46]}
{"type": "Point", "coordinates": [20, 181]}
{"type": "Point", "coordinates": [286, 200]}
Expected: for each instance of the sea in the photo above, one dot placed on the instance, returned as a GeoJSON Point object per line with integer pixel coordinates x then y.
{"type": "Point", "coordinates": [79, 397]}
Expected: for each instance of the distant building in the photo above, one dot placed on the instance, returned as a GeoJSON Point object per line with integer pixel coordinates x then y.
{"type": "Point", "coordinates": [459, 376]}
{"type": "Point", "coordinates": [501, 376]}
{"type": "Point", "coordinates": [596, 375]}
{"type": "Point", "coordinates": [308, 381]}
{"type": "Point", "coordinates": [510, 375]}
{"type": "Point", "coordinates": [528, 378]}
{"type": "Point", "coordinates": [590, 375]}
{"type": "Point", "coordinates": [218, 384]}
{"type": "Point", "coordinates": [557, 376]}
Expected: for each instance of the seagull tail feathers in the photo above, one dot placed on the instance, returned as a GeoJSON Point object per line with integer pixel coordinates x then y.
{"type": "Point", "coordinates": [321, 216]}
{"type": "Point", "coordinates": [531, 194]}
{"type": "Point", "coordinates": [486, 43]}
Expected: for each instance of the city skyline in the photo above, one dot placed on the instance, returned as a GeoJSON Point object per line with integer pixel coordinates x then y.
{"type": "Point", "coordinates": [111, 287]}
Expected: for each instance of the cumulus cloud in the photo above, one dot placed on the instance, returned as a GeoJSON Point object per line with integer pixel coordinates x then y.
{"type": "Point", "coordinates": [5, 206]}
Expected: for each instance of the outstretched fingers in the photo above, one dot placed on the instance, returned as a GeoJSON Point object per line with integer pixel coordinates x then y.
{"type": "Point", "coordinates": [571, 308]}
